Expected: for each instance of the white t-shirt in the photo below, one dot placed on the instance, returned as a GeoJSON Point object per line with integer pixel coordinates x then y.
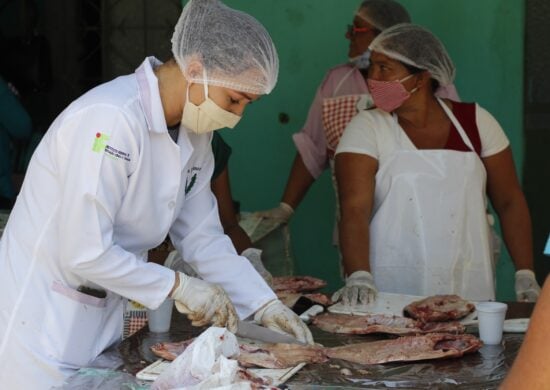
{"type": "Point", "coordinates": [378, 134]}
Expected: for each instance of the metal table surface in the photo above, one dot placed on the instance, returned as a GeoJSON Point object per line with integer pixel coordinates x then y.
{"type": "Point", "coordinates": [482, 370]}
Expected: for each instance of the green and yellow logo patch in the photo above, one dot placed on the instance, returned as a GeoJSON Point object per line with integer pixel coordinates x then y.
{"type": "Point", "coordinates": [100, 141]}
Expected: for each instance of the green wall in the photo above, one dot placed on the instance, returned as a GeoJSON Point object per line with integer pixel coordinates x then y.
{"type": "Point", "coordinates": [484, 38]}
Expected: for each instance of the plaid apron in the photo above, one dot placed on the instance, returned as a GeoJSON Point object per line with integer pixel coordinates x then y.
{"type": "Point", "coordinates": [337, 113]}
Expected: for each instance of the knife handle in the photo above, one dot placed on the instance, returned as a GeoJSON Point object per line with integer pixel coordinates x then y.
{"type": "Point", "coordinates": [307, 315]}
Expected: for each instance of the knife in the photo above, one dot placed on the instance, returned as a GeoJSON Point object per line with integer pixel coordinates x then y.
{"type": "Point", "coordinates": [302, 304]}
{"type": "Point", "coordinates": [252, 331]}
{"type": "Point", "coordinates": [308, 315]}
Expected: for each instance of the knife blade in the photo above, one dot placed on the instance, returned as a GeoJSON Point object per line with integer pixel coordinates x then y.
{"type": "Point", "coordinates": [252, 331]}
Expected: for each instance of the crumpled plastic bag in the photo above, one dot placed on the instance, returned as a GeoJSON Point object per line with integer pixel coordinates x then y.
{"type": "Point", "coordinates": [205, 364]}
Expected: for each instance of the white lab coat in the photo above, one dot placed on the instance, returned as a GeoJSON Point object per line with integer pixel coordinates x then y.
{"type": "Point", "coordinates": [106, 184]}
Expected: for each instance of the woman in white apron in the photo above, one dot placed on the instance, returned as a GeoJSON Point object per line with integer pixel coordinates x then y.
{"type": "Point", "coordinates": [413, 180]}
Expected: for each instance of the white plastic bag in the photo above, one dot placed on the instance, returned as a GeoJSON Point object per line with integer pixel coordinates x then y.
{"type": "Point", "coordinates": [204, 364]}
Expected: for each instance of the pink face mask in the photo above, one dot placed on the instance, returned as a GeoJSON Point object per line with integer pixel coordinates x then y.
{"type": "Point", "coordinates": [389, 95]}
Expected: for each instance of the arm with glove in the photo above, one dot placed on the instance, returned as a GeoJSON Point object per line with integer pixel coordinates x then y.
{"type": "Point", "coordinates": [527, 287]}
{"type": "Point", "coordinates": [359, 289]}
{"type": "Point", "coordinates": [355, 175]}
{"type": "Point", "coordinates": [231, 288]}
{"type": "Point", "coordinates": [281, 213]}
{"type": "Point", "coordinates": [205, 303]}
{"type": "Point", "coordinates": [509, 202]}
{"type": "Point", "coordinates": [276, 316]}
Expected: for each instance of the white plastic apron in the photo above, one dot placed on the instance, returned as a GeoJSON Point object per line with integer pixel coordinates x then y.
{"type": "Point", "coordinates": [337, 112]}
{"type": "Point", "coordinates": [429, 233]}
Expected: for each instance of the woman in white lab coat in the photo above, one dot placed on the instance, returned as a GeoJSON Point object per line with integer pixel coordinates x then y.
{"type": "Point", "coordinates": [107, 183]}
{"type": "Point", "coordinates": [413, 177]}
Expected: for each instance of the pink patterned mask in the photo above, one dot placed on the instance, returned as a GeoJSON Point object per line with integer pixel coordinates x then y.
{"type": "Point", "coordinates": [389, 95]}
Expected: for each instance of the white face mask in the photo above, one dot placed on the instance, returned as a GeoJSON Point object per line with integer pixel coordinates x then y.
{"type": "Point", "coordinates": [207, 116]}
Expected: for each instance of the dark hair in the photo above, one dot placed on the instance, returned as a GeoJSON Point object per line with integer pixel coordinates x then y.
{"type": "Point", "coordinates": [415, 70]}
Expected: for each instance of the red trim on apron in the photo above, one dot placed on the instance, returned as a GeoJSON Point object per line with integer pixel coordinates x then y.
{"type": "Point", "coordinates": [465, 113]}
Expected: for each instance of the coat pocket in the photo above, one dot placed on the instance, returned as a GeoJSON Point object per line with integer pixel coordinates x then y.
{"type": "Point", "coordinates": [73, 325]}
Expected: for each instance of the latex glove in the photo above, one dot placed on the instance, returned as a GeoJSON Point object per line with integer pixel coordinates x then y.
{"type": "Point", "coordinates": [275, 315]}
{"type": "Point", "coordinates": [175, 262]}
{"type": "Point", "coordinates": [359, 289]}
{"type": "Point", "coordinates": [254, 255]}
{"type": "Point", "coordinates": [282, 213]}
{"type": "Point", "coordinates": [204, 303]}
{"type": "Point", "coordinates": [527, 288]}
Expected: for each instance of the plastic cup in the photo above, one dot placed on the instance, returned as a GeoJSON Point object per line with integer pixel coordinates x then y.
{"type": "Point", "coordinates": [491, 320]}
{"type": "Point", "coordinates": [159, 319]}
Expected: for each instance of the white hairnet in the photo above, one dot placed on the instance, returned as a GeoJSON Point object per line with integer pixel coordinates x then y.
{"type": "Point", "coordinates": [234, 49]}
{"type": "Point", "coordinates": [414, 45]}
{"type": "Point", "coordinates": [382, 14]}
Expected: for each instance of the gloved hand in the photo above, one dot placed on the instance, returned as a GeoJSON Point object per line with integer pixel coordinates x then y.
{"type": "Point", "coordinates": [527, 288]}
{"type": "Point", "coordinates": [275, 315]}
{"type": "Point", "coordinates": [254, 255]}
{"type": "Point", "coordinates": [204, 303]}
{"type": "Point", "coordinates": [359, 289]}
{"type": "Point", "coordinates": [282, 213]}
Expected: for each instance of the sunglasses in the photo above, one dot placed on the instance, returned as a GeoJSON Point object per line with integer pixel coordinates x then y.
{"type": "Point", "coordinates": [353, 30]}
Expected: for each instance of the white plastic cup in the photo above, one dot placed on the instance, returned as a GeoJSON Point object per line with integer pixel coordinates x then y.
{"type": "Point", "coordinates": [159, 319]}
{"type": "Point", "coordinates": [491, 320]}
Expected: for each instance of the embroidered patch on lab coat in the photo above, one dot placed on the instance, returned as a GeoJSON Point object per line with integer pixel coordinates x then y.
{"type": "Point", "coordinates": [100, 141]}
{"type": "Point", "coordinates": [109, 150]}
{"type": "Point", "coordinates": [190, 182]}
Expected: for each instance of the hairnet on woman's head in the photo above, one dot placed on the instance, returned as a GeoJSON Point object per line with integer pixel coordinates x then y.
{"type": "Point", "coordinates": [234, 49]}
{"type": "Point", "coordinates": [414, 45]}
{"type": "Point", "coordinates": [383, 13]}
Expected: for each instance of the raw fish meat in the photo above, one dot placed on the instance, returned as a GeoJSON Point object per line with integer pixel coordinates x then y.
{"type": "Point", "coordinates": [439, 308]}
{"type": "Point", "coordinates": [408, 348]}
{"type": "Point", "coordinates": [381, 323]}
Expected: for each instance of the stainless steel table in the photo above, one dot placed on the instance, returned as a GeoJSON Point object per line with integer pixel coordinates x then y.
{"type": "Point", "coordinates": [482, 370]}
{"type": "Point", "coordinates": [485, 369]}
